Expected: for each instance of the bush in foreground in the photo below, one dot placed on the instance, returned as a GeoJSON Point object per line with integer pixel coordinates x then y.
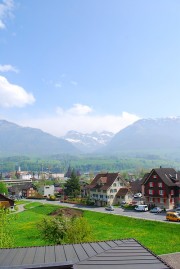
{"type": "Point", "coordinates": [61, 230]}
{"type": "Point", "coordinates": [6, 234]}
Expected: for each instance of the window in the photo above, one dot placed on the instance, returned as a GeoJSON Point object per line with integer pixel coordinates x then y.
{"type": "Point", "coordinates": [115, 190]}
{"type": "Point", "coordinates": [151, 200]}
{"type": "Point", "coordinates": [160, 184]}
{"type": "Point", "coordinates": [111, 196]}
{"type": "Point", "coordinates": [111, 191]}
{"type": "Point", "coordinates": [161, 192]}
{"type": "Point", "coordinates": [172, 192]}
{"type": "Point", "coordinates": [114, 184]}
{"type": "Point", "coordinates": [101, 196]}
{"type": "Point", "coordinates": [150, 192]}
{"type": "Point", "coordinates": [155, 176]}
{"type": "Point", "coordinates": [151, 184]}
{"type": "Point", "coordinates": [161, 200]}
{"type": "Point", "coordinates": [104, 191]}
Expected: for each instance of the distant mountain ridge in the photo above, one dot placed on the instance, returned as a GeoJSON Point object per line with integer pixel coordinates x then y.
{"type": "Point", "coordinates": [17, 140]}
{"type": "Point", "coordinates": [150, 135]}
{"type": "Point", "coordinates": [143, 136]}
{"type": "Point", "coordinates": [88, 142]}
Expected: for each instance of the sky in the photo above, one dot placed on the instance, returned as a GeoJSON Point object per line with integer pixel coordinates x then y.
{"type": "Point", "coordinates": [88, 65]}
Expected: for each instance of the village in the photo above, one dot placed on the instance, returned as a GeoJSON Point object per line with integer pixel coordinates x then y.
{"type": "Point", "coordinates": [159, 189]}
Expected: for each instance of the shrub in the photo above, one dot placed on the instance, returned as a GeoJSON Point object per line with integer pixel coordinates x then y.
{"type": "Point", "coordinates": [60, 230]}
{"type": "Point", "coordinates": [6, 234]}
{"type": "Point", "coordinates": [54, 230]}
{"type": "Point", "coordinates": [79, 231]}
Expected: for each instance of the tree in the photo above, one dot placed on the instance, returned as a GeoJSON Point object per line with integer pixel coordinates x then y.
{"type": "Point", "coordinates": [72, 185]}
{"type": "Point", "coordinates": [3, 188]}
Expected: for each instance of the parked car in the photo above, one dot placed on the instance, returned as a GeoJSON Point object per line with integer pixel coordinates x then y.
{"type": "Point", "coordinates": [138, 195]}
{"type": "Point", "coordinates": [109, 208]}
{"type": "Point", "coordinates": [173, 216]}
{"type": "Point", "coordinates": [177, 209]}
{"type": "Point", "coordinates": [141, 208]}
{"type": "Point", "coordinates": [156, 210]}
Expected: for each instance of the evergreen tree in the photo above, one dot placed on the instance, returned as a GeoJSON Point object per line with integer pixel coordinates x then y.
{"type": "Point", "coordinates": [72, 185]}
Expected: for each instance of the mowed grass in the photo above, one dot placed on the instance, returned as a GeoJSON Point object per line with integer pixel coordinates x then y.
{"type": "Point", "coordinates": [161, 238]}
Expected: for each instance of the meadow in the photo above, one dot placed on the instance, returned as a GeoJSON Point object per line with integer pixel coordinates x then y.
{"type": "Point", "coordinates": [160, 238]}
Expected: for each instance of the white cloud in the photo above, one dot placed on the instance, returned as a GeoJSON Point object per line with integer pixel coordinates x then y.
{"type": "Point", "coordinates": [12, 95]}
{"type": "Point", "coordinates": [76, 110]}
{"type": "Point", "coordinates": [84, 122]}
{"type": "Point", "coordinates": [58, 85]}
{"type": "Point", "coordinates": [6, 8]}
{"type": "Point", "coordinates": [7, 68]}
{"type": "Point", "coordinates": [74, 83]}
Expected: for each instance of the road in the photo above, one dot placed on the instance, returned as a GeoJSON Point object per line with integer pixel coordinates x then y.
{"type": "Point", "coordinates": [117, 211]}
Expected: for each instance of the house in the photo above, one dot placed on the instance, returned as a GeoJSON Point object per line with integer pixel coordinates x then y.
{"type": "Point", "coordinates": [124, 195]}
{"type": "Point", "coordinates": [46, 190]}
{"type": "Point", "coordinates": [6, 202]}
{"type": "Point", "coordinates": [24, 190]}
{"type": "Point", "coordinates": [121, 254]}
{"type": "Point", "coordinates": [136, 186]}
{"type": "Point", "coordinates": [104, 188]}
{"type": "Point", "coordinates": [161, 187]}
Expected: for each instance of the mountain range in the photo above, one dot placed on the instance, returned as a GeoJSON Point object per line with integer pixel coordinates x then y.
{"type": "Point", "coordinates": [88, 143]}
{"type": "Point", "coordinates": [147, 135]}
{"type": "Point", "coordinates": [143, 136]}
{"type": "Point", "coordinates": [17, 140]}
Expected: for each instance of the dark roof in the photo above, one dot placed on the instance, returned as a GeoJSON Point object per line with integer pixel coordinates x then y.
{"type": "Point", "coordinates": [136, 185]}
{"type": "Point", "coordinates": [4, 198]}
{"type": "Point", "coordinates": [21, 187]}
{"type": "Point", "coordinates": [115, 254]}
{"type": "Point", "coordinates": [144, 178]}
{"type": "Point", "coordinates": [168, 175]}
{"type": "Point", "coordinates": [106, 179]}
{"type": "Point", "coordinates": [122, 191]}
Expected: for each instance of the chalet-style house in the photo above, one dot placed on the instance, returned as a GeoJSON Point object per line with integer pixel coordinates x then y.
{"type": "Point", "coordinates": [24, 190]}
{"type": "Point", "coordinates": [6, 202]}
{"type": "Point", "coordinates": [161, 187]}
{"type": "Point", "coordinates": [104, 188]}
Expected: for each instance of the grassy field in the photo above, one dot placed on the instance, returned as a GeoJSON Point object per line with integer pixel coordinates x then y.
{"type": "Point", "coordinates": [159, 237]}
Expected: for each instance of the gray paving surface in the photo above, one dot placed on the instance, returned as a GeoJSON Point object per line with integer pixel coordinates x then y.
{"type": "Point", "coordinates": [172, 259]}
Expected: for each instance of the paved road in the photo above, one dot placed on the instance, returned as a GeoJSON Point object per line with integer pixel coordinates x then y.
{"type": "Point", "coordinates": [118, 211]}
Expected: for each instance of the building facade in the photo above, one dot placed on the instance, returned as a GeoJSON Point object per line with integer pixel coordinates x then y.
{"type": "Point", "coordinates": [161, 187]}
{"type": "Point", "coordinates": [104, 188]}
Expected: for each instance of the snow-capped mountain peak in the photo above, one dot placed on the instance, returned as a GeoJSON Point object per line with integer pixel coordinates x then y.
{"type": "Point", "coordinates": [88, 142]}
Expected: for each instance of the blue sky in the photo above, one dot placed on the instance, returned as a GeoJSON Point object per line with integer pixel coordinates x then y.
{"type": "Point", "coordinates": [88, 65]}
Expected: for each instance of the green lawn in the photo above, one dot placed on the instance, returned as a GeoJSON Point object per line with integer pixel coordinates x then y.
{"type": "Point", "coordinates": [159, 237]}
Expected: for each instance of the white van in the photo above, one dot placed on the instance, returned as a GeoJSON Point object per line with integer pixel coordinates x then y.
{"type": "Point", "coordinates": [141, 208]}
